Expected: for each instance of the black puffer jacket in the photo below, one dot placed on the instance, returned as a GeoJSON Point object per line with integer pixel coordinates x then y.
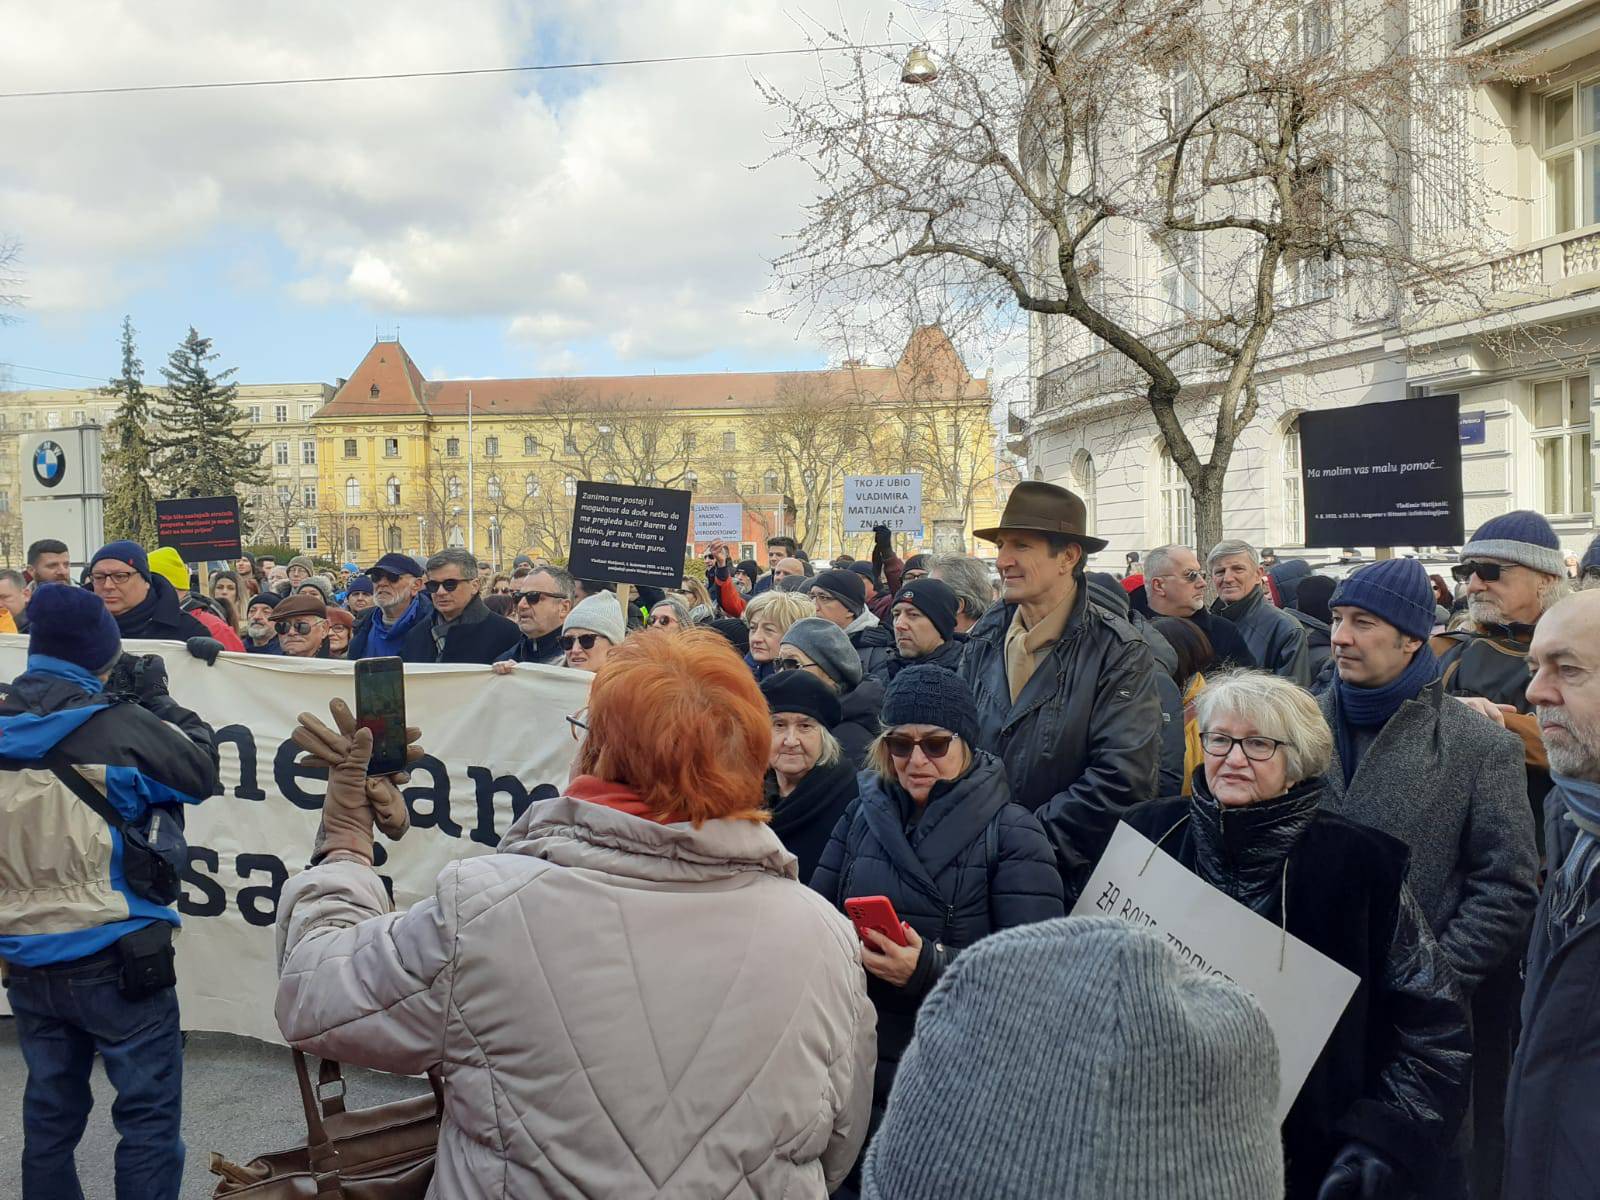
{"type": "Point", "coordinates": [874, 643]}
{"type": "Point", "coordinates": [160, 616]}
{"type": "Point", "coordinates": [804, 819]}
{"type": "Point", "coordinates": [1082, 743]}
{"type": "Point", "coordinates": [1394, 1074]}
{"type": "Point", "coordinates": [1105, 591]}
{"type": "Point", "coordinates": [859, 725]}
{"type": "Point", "coordinates": [973, 863]}
{"type": "Point", "coordinates": [947, 656]}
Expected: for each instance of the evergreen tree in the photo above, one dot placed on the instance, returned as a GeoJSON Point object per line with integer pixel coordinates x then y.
{"type": "Point", "coordinates": [197, 452]}
{"type": "Point", "coordinates": [130, 506]}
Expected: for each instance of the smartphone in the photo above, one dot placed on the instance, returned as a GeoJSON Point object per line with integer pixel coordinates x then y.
{"type": "Point", "coordinates": [381, 708]}
{"type": "Point", "coordinates": [875, 912]}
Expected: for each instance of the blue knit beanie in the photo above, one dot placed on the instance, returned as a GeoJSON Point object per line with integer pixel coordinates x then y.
{"type": "Point", "coordinates": [1522, 536]}
{"type": "Point", "coordinates": [929, 695]}
{"type": "Point", "coordinates": [71, 623]}
{"type": "Point", "coordinates": [1396, 589]}
{"type": "Point", "coordinates": [1591, 556]}
{"type": "Point", "coordinates": [130, 553]}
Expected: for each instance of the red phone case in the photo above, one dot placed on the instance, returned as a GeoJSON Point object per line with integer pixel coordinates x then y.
{"type": "Point", "coordinates": [875, 912]}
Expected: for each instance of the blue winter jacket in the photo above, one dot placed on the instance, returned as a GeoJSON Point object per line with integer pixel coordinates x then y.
{"type": "Point", "coordinates": [374, 637]}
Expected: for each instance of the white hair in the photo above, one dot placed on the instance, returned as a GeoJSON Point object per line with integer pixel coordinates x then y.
{"type": "Point", "coordinates": [1274, 708]}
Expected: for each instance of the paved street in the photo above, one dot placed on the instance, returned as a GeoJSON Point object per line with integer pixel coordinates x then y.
{"type": "Point", "coordinates": [239, 1098]}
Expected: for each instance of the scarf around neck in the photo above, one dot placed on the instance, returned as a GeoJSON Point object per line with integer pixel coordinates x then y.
{"type": "Point", "coordinates": [1583, 800]}
{"type": "Point", "coordinates": [1371, 708]}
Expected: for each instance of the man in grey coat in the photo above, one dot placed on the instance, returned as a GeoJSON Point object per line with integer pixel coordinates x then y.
{"type": "Point", "coordinates": [1423, 767]}
{"type": "Point", "coordinates": [1276, 639]}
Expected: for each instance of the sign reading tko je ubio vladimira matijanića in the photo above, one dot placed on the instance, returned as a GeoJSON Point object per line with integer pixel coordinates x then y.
{"type": "Point", "coordinates": [891, 500]}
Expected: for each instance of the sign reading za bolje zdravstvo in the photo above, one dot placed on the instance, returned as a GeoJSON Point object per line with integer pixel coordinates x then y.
{"type": "Point", "coordinates": [891, 500]}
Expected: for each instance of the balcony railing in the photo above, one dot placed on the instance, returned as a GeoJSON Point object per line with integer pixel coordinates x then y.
{"type": "Point", "coordinates": [1481, 16]}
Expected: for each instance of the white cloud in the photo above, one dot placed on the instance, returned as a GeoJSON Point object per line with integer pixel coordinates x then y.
{"type": "Point", "coordinates": [624, 207]}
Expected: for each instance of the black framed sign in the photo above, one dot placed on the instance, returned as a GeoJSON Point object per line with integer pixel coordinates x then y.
{"type": "Point", "coordinates": [627, 534]}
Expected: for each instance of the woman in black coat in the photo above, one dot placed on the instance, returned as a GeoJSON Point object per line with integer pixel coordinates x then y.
{"type": "Point", "coordinates": [936, 832]}
{"type": "Point", "coordinates": [810, 782]}
{"type": "Point", "coordinates": [1378, 1112]}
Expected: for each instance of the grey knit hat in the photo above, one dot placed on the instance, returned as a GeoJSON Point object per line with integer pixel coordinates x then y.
{"type": "Point", "coordinates": [600, 614]}
{"type": "Point", "coordinates": [1161, 1082]}
{"type": "Point", "coordinates": [825, 644]}
{"type": "Point", "coordinates": [1520, 536]}
{"type": "Point", "coordinates": [322, 583]}
{"type": "Point", "coordinates": [303, 560]}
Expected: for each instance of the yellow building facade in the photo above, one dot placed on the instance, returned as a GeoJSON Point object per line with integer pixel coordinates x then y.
{"type": "Point", "coordinates": [404, 465]}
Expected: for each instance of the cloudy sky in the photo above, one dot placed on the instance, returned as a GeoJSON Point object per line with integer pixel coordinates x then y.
{"type": "Point", "coordinates": [597, 221]}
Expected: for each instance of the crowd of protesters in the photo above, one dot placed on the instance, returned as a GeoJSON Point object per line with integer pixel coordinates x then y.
{"type": "Point", "coordinates": [1402, 773]}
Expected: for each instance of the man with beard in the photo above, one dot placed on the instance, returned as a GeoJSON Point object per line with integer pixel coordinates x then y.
{"type": "Point", "coordinates": [144, 605]}
{"type": "Point", "coordinates": [1552, 1122]}
{"type": "Point", "coordinates": [1175, 586]}
{"type": "Point", "coordinates": [301, 622]}
{"type": "Point", "coordinates": [49, 562]}
{"type": "Point", "coordinates": [924, 616]}
{"type": "Point", "coordinates": [259, 635]}
{"type": "Point", "coordinates": [399, 607]}
{"type": "Point", "coordinates": [544, 598]}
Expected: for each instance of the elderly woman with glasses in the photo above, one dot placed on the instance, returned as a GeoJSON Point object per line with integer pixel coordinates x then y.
{"type": "Point", "coordinates": [593, 628]}
{"type": "Point", "coordinates": [769, 617]}
{"type": "Point", "coordinates": [1378, 1113]}
{"type": "Point", "coordinates": [823, 650]}
{"type": "Point", "coordinates": [669, 613]}
{"type": "Point", "coordinates": [935, 830]}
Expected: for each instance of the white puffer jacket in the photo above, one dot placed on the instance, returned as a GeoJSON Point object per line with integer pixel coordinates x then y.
{"type": "Point", "coordinates": [621, 1008]}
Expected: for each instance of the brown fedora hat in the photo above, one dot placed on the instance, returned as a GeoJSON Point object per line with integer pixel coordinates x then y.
{"type": "Point", "coordinates": [1045, 508]}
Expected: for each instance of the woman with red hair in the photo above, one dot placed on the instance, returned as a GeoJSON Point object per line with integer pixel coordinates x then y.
{"type": "Point", "coordinates": [634, 996]}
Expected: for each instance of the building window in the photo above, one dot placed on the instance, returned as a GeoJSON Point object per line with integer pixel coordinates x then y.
{"type": "Point", "coordinates": [27, 420]}
{"type": "Point", "coordinates": [689, 440]}
{"type": "Point", "coordinates": [308, 453]}
{"type": "Point", "coordinates": [280, 453]}
{"type": "Point", "coordinates": [491, 447]}
{"type": "Point", "coordinates": [569, 444]}
{"type": "Point", "coordinates": [494, 538]}
{"type": "Point", "coordinates": [452, 447]}
{"type": "Point", "coordinates": [352, 492]}
{"type": "Point", "coordinates": [1177, 506]}
{"type": "Point", "coordinates": [730, 480]}
{"type": "Point", "coordinates": [307, 411]}
{"type": "Point", "coordinates": [530, 445]}
{"type": "Point", "coordinates": [349, 447]}
{"type": "Point", "coordinates": [391, 447]}
{"type": "Point", "coordinates": [611, 477]}
{"type": "Point", "coordinates": [5, 502]}
{"type": "Point", "coordinates": [280, 413]}
{"type": "Point", "coordinates": [394, 539]}
{"type": "Point", "coordinates": [730, 440]}
{"type": "Point", "coordinates": [2, 420]}
{"type": "Point", "coordinates": [352, 540]}
{"type": "Point", "coordinates": [769, 482]}
{"type": "Point", "coordinates": [52, 420]}
{"type": "Point", "coordinates": [530, 487]}
{"type": "Point", "coordinates": [570, 486]}
{"type": "Point", "coordinates": [493, 488]}
{"type": "Point", "coordinates": [1570, 142]}
{"type": "Point", "coordinates": [77, 416]}
{"type": "Point", "coordinates": [308, 537]}
{"type": "Point", "coordinates": [1178, 277]}
{"type": "Point", "coordinates": [452, 487]}
{"type": "Point", "coordinates": [308, 495]}
{"type": "Point", "coordinates": [1561, 443]}
{"type": "Point", "coordinates": [254, 414]}
{"type": "Point", "coordinates": [285, 495]}
{"type": "Point", "coordinates": [691, 480]}
{"type": "Point", "coordinates": [391, 492]}
{"type": "Point", "coordinates": [1084, 475]}
{"type": "Point", "coordinates": [256, 449]}
{"type": "Point", "coordinates": [1294, 526]}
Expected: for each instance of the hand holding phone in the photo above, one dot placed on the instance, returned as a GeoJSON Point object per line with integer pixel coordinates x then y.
{"type": "Point", "coordinates": [875, 912]}
{"type": "Point", "coordinates": [381, 709]}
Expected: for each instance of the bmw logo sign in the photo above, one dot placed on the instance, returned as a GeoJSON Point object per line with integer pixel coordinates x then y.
{"type": "Point", "coordinates": [49, 464]}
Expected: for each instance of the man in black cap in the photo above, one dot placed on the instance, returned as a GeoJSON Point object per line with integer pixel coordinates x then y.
{"type": "Point", "coordinates": [841, 597]}
{"type": "Point", "coordinates": [1066, 692]}
{"type": "Point", "coordinates": [259, 635]}
{"type": "Point", "coordinates": [924, 615]}
{"type": "Point", "coordinates": [400, 606]}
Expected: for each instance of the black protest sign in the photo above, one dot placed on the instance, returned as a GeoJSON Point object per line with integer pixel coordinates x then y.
{"type": "Point", "coordinates": [1383, 474]}
{"type": "Point", "coordinates": [626, 534]}
{"type": "Point", "coordinates": [199, 529]}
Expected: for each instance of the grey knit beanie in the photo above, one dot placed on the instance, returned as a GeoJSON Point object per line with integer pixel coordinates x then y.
{"type": "Point", "coordinates": [1160, 1082]}
{"type": "Point", "coordinates": [322, 583]}
{"type": "Point", "coordinates": [825, 644]}
{"type": "Point", "coordinates": [600, 614]}
{"type": "Point", "coordinates": [1520, 536]}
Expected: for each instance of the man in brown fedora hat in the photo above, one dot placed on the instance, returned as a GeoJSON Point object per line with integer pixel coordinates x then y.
{"type": "Point", "coordinates": [1066, 692]}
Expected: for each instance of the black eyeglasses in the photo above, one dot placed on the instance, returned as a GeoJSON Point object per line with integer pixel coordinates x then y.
{"type": "Point", "coordinates": [1486, 571]}
{"type": "Point", "coordinates": [662, 622]}
{"type": "Point", "coordinates": [586, 640]}
{"type": "Point", "coordinates": [1256, 748]}
{"type": "Point", "coordinates": [531, 597]}
{"type": "Point", "coordinates": [449, 585]}
{"type": "Point", "coordinates": [378, 576]}
{"type": "Point", "coordinates": [300, 627]}
{"type": "Point", "coordinates": [577, 726]}
{"type": "Point", "coordinates": [934, 745]}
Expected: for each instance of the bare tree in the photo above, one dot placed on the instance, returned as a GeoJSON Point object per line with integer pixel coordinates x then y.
{"type": "Point", "coordinates": [1167, 189]}
{"type": "Point", "coordinates": [275, 511]}
{"type": "Point", "coordinates": [10, 279]}
{"type": "Point", "coordinates": [817, 431]}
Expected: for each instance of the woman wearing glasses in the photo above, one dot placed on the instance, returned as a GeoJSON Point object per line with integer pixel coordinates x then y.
{"type": "Point", "coordinates": [669, 613]}
{"type": "Point", "coordinates": [1381, 1106]}
{"type": "Point", "coordinates": [593, 627]}
{"type": "Point", "coordinates": [935, 830]}
{"type": "Point", "coordinates": [821, 649]}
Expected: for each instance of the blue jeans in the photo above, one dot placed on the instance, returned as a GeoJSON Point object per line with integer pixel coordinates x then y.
{"type": "Point", "coordinates": [65, 1014]}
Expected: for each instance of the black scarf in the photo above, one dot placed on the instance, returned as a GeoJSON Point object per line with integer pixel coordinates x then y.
{"type": "Point", "coordinates": [1239, 609]}
{"type": "Point", "coordinates": [1241, 851]}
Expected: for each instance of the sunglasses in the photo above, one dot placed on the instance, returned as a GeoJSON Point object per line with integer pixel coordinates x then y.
{"type": "Point", "coordinates": [934, 745]}
{"type": "Point", "coordinates": [449, 585]}
{"type": "Point", "coordinates": [298, 627]}
{"type": "Point", "coordinates": [1189, 576]}
{"type": "Point", "coordinates": [661, 622]}
{"type": "Point", "coordinates": [586, 640]}
{"type": "Point", "coordinates": [790, 664]}
{"type": "Point", "coordinates": [1486, 571]}
{"type": "Point", "coordinates": [383, 576]}
{"type": "Point", "coordinates": [535, 597]}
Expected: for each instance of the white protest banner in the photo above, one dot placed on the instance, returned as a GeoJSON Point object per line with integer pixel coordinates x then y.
{"type": "Point", "coordinates": [1303, 994]}
{"type": "Point", "coordinates": [495, 743]}
{"type": "Point", "coordinates": [892, 500]}
{"type": "Point", "coordinates": [718, 522]}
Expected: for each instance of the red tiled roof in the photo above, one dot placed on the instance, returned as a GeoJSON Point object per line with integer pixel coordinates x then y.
{"type": "Point", "coordinates": [403, 391]}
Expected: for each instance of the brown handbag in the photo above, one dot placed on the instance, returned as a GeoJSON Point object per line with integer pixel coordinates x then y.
{"type": "Point", "coordinates": [381, 1153]}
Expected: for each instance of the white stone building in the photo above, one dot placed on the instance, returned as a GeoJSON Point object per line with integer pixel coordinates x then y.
{"type": "Point", "coordinates": [1538, 143]}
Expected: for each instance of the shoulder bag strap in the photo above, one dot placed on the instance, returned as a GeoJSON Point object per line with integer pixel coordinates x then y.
{"type": "Point", "coordinates": [80, 787]}
{"type": "Point", "coordinates": [320, 1151]}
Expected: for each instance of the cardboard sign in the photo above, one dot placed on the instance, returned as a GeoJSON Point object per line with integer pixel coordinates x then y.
{"type": "Point", "coordinates": [892, 500]}
{"type": "Point", "coordinates": [718, 522]}
{"type": "Point", "coordinates": [1384, 474]}
{"type": "Point", "coordinates": [199, 529]}
{"type": "Point", "coordinates": [1303, 993]}
{"type": "Point", "coordinates": [627, 534]}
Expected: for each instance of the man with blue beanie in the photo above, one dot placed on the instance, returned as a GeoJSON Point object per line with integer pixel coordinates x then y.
{"type": "Point", "coordinates": [90, 789]}
{"type": "Point", "coordinates": [1444, 779]}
